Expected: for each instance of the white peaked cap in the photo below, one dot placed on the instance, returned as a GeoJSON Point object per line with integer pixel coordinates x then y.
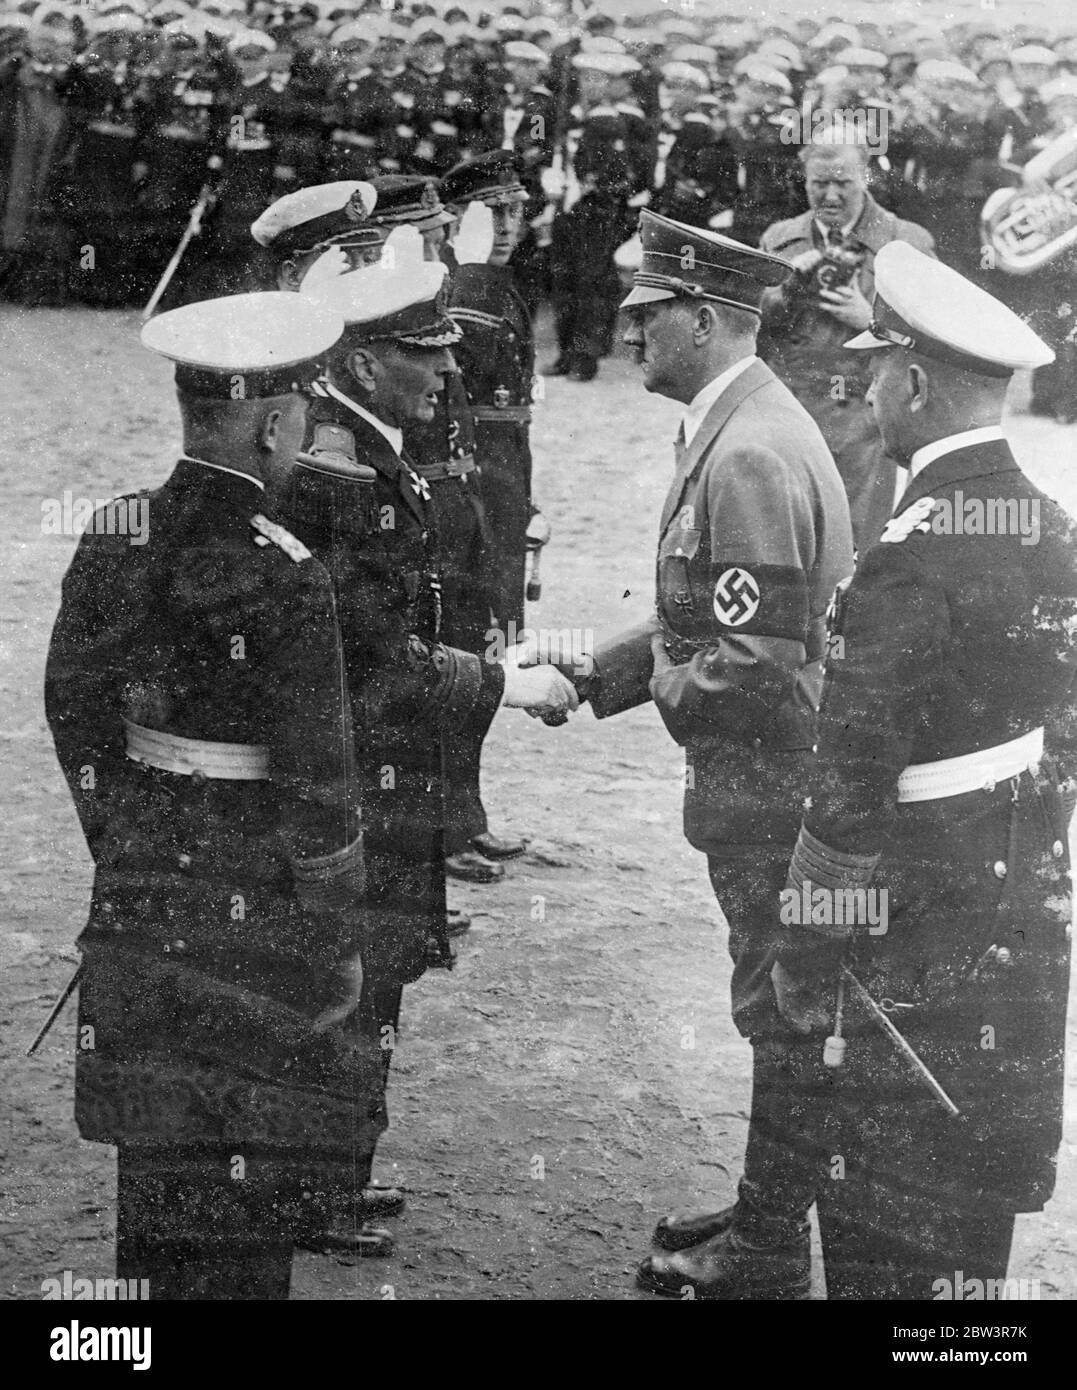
{"type": "Point", "coordinates": [945, 316]}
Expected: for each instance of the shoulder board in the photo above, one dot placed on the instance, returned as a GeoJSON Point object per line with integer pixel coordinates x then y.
{"type": "Point", "coordinates": [459, 314]}
{"type": "Point", "coordinates": [629, 108]}
{"type": "Point", "coordinates": [914, 518]}
{"type": "Point", "coordinates": [540, 91]}
{"type": "Point", "coordinates": [270, 532]}
{"type": "Point", "coordinates": [696, 118]}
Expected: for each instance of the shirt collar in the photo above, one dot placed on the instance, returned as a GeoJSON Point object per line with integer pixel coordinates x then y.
{"type": "Point", "coordinates": [695, 413]}
{"type": "Point", "coordinates": [825, 231]}
{"type": "Point", "coordinates": [390, 432]}
{"type": "Point", "coordinates": [220, 468]}
{"type": "Point", "coordinates": [950, 445]}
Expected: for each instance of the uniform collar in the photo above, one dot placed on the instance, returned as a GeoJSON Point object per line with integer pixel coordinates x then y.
{"type": "Point", "coordinates": [971, 454]}
{"type": "Point", "coordinates": [950, 444]}
{"type": "Point", "coordinates": [394, 436]}
{"type": "Point", "coordinates": [220, 468]}
{"type": "Point", "coordinates": [696, 411]}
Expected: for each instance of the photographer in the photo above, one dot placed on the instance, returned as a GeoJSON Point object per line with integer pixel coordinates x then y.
{"type": "Point", "coordinates": [807, 320]}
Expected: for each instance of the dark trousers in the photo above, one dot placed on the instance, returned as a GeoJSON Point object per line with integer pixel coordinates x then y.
{"type": "Point", "coordinates": [193, 1230]}
{"type": "Point", "coordinates": [785, 1155]}
{"type": "Point", "coordinates": [585, 288]}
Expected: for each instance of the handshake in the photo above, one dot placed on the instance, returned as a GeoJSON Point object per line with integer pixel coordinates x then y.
{"type": "Point", "coordinates": [533, 681]}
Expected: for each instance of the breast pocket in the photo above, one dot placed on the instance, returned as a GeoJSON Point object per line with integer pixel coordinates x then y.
{"type": "Point", "coordinates": [677, 553]}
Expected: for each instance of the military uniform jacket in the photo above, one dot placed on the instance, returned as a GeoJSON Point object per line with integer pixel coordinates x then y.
{"type": "Point", "coordinates": [377, 540]}
{"type": "Point", "coordinates": [497, 360]}
{"type": "Point", "coordinates": [219, 905]}
{"type": "Point", "coordinates": [951, 641]}
{"type": "Point", "coordinates": [753, 540]}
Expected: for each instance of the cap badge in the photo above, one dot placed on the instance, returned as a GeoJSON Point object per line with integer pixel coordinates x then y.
{"type": "Point", "coordinates": [736, 597]}
{"type": "Point", "coordinates": [429, 197]}
{"type": "Point", "coordinates": [355, 209]}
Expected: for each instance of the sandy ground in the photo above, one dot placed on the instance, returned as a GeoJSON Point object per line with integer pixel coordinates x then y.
{"type": "Point", "coordinates": [577, 1075]}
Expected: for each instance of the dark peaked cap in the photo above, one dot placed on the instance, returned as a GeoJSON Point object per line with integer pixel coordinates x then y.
{"type": "Point", "coordinates": [680, 261]}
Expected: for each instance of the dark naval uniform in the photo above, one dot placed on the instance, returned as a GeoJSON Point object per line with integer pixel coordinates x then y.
{"type": "Point", "coordinates": [946, 727]}
{"type": "Point", "coordinates": [195, 692]}
{"type": "Point", "coordinates": [952, 643]}
{"type": "Point", "coordinates": [497, 361]}
{"type": "Point", "coordinates": [444, 454]}
{"type": "Point", "coordinates": [366, 513]}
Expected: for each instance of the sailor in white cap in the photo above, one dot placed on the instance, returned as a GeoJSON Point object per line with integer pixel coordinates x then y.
{"type": "Point", "coordinates": [358, 501]}
{"type": "Point", "coordinates": [946, 754]}
{"type": "Point", "coordinates": [302, 226]}
{"type": "Point", "coordinates": [198, 669]}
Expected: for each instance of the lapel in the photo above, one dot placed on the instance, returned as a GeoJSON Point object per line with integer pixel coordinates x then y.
{"type": "Point", "coordinates": [973, 461]}
{"type": "Point", "coordinates": [745, 385]}
{"type": "Point", "coordinates": [875, 226]}
{"type": "Point", "coordinates": [373, 448]}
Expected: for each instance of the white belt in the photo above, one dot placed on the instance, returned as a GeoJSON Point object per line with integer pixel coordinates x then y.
{"type": "Point", "coordinates": [235, 762]}
{"type": "Point", "coordinates": [971, 772]}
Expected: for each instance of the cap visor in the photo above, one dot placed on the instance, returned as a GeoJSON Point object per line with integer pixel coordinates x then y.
{"type": "Point", "coordinates": [646, 294]}
{"type": "Point", "coordinates": [866, 341]}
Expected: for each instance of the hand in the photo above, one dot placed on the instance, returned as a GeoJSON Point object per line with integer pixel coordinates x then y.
{"type": "Point", "coordinates": [798, 999]}
{"type": "Point", "coordinates": [475, 239]}
{"type": "Point", "coordinates": [847, 305]}
{"type": "Point", "coordinates": [541, 688]}
{"type": "Point", "coordinates": [350, 984]}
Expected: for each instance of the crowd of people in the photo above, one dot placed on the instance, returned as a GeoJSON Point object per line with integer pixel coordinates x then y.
{"type": "Point", "coordinates": [282, 697]}
{"type": "Point", "coordinates": [119, 117]}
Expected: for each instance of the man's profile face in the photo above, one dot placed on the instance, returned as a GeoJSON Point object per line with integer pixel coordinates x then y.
{"type": "Point", "coordinates": [508, 223]}
{"type": "Point", "coordinates": [888, 397]}
{"type": "Point", "coordinates": [659, 334]}
{"type": "Point", "coordinates": [836, 184]}
{"type": "Point", "coordinates": [410, 379]}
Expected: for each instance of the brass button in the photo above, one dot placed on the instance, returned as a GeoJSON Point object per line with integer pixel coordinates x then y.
{"type": "Point", "coordinates": [1004, 956]}
{"type": "Point", "coordinates": [185, 861]}
{"type": "Point", "coordinates": [1058, 849]}
{"type": "Point", "coordinates": [1000, 868]}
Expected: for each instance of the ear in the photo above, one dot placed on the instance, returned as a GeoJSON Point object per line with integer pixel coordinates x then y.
{"type": "Point", "coordinates": [918, 387]}
{"type": "Point", "coordinates": [363, 367]}
{"type": "Point", "coordinates": [289, 277]}
{"type": "Point", "coordinates": [270, 431]}
{"type": "Point", "coordinates": [704, 323]}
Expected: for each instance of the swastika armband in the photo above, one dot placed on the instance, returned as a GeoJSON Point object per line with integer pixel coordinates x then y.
{"type": "Point", "coordinates": [765, 600]}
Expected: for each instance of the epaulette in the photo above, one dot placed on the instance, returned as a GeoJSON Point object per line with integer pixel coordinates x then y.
{"type": "Point", "coordinates": [914, 518]}
{"type": "Point", "coordinates": [272, 532]}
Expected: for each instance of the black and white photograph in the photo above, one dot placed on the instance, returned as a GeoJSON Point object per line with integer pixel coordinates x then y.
{"type": "Point", "coordinates": [539, 661]}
